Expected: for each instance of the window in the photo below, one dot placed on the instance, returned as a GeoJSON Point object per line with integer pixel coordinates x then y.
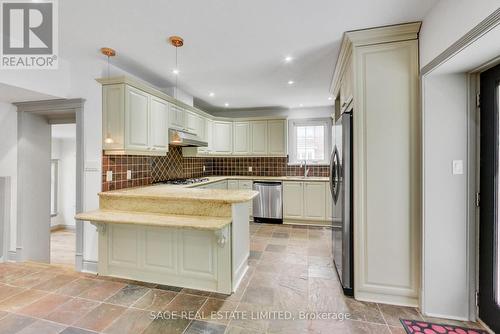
{"type": "Point", "coordinates": [309, 140]}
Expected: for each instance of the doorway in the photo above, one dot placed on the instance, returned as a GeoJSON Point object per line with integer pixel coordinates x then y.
{"type": "Point", "coordinates": [489, 226]}
{"type": "Point", "coordinates": [41, 187]}
{"type": "Point", "coordinates": [63, 194]}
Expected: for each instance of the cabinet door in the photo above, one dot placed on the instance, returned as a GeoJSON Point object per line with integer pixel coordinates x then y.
{"type": "Point", "coordinates": [258, 138]}
{"type": "Point", "coordinates": [247, 185]}
{"type": "Point", "coordinates": [207, 136]}
{"type": "Point", "coordinates": [232, 184]}
{"type": "Point", "coordinates": [113, 127]}
{"type": "Point", "coordinates": [293, 200]}
{"type": "Point", "coordinates": [314, 200]}
{"type": "Point", "coordinates": [158, 136]}
{"type": "Point", "coordinates": [222, 137]}
{"type": "Point", "coordinates": [277, 137]}
{"type": "Point", "coordinates": [136, 119]}
{"type": "Point", "coordinates": [176, 117]}
{"type": "Point", "coordinates": [193, 122]}
{"type": "Point", "coordinates": [241, 138]}
{"type": "Point", "coordinates": [346, 88]}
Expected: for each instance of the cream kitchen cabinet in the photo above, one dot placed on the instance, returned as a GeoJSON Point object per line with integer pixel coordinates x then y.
{"type": "Point", "coordinates": [222, 137]}
{"type": "Point", "coordinates": [194, 124]}
{"type": "Point", "coordinates": [293, 200]}
{"type": "Point", "coordinates": [314, 200]}
{"type": "Point", "coordinates": [136, 119]}
{"type": "Point", "coordinates": [207, 136]}
{"type": "Point", "coordinates": [134, 122]}
{"type": "Point", "coordinates": [346, 89]}
{"type": "Point", "coordinates": [277, 137]}
{"type": "Point", "coordinates": [241, 138]}
{"type": "Point", "coordinates": [306, 201]}
{"type": "Point", "coordinates": [232, 184]}
{"type": "Point", "coordinates": [259, 138]}
{"type": "Point", "coordinates": [177, 117]}
{"type": "Point", "coordinates": [158, 124]}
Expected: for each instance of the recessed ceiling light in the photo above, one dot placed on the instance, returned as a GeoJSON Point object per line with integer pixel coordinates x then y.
{"type": "Point", "coordinates": [330, 98]}
{"type": "Point", "coordinates": [211, 94]}
{"type": "Point", "coordinates": [288, 59]}
{"type": "Point", "coordinates": [175, 71]}
{"type": "Point", "coordinates": [226, 104]}
{"type": "Point", "coordinates": [301, 105]}
{"type": "Point", "coordinates": [291, 82]}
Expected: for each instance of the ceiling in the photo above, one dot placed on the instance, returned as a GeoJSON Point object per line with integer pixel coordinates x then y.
{"type": "Point", "coordinates": [10, 94]}
{"type": "Point", "coordinates": [233, 48]}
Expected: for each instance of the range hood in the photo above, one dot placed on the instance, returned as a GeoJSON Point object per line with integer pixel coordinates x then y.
{"type": "Point", "coordinates": [183, 138]}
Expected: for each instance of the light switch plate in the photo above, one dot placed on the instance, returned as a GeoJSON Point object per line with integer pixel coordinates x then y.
{"type": "Point", "coordinates": [129, 175]}
{"type": "Point", "coordinates": [250, 168]}
{"type": "Point", "coordinates": [458, 167]}
{"type": "Point", "coordinates": [109, 176]}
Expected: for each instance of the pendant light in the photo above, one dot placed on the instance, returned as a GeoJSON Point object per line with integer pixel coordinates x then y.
{"type": "Point", "coordinates": [177, 42]}
{"type": "Point", "coordinates": [108, 52]}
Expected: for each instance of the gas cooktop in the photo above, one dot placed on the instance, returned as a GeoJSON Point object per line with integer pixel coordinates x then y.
{"type": "Point", "coordinates": [185, 181]}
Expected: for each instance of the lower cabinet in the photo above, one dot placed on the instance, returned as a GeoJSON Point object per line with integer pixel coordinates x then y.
{"type": "Point", "coordinates": [293, 200]}
{"type": "Point", "coordinates": [314, 201]}
{"type": "Point", "coordinates": [306, 201]}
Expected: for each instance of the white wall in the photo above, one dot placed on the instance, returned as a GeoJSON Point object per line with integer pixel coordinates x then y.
{"type": "Point", "coordinates": [64, 150]}
{"type": "Point", "coordinates": [312, 112]}
{"type": "Point", "coordinates": [33, 211]}
{"type": "Point", "coordinates": [448, 21]}
{"type": "Point", "coordinates": [445, 239]}
{"type": "Point", "coordinates": [8, 161]}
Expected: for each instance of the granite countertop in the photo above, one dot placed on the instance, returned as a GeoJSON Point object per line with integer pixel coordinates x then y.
{"type": "Point", "coordinates": [212, 179]}
{"type": "Point", "coordinates": [155, 219]}
{"type": "Point", "coordinates": [182, 193]}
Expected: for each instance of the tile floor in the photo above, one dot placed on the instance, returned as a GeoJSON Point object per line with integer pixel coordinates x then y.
{"type": "Point", "coordinates": [62, 247]}
{"type": "Point", "coordinates": [290, 270]}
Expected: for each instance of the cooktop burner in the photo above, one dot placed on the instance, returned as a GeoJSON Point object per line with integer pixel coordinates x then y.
{"type": "Point", "coordinates": [185, 181]}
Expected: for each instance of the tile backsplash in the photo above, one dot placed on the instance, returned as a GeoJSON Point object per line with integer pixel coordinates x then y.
{"type": "Point", "coordinates": [147, 170]}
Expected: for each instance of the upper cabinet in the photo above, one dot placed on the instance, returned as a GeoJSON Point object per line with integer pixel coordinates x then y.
{"type": "Point", "coordinates": [241, 138]}
{"type": "Point", "coordinates": [222, 137]}
{"type": "Point", "coordinates": [277, 137]}
{"type": "Point", "coordinates": [177, 117]}
{"type": "Point", "coordinates": [258, 135]}
{"type": "Point", "coordinates": [134, 122]}
{"type": "Point", "coordinates": [346, 89]}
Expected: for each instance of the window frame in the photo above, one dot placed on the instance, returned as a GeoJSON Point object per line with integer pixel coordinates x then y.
{"type": "Point", "coordinates": [292, 140]}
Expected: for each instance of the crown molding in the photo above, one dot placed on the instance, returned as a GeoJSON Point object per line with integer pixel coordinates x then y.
{"type": "Point", "coordinates": [371, 36]}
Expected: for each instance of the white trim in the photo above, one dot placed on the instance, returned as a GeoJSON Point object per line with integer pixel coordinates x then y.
{"type": "Point", "coordinates": [292, 140]}
{"type": "Point", "coordinates": [60, 107]}
{"type": "Point", "coordinates": [89, 266]}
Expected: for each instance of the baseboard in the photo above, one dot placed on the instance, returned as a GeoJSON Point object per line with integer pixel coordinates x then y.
{"type": "Point", "coordinates": [386, 299]}
{"type": "Point", "coordinates": [444, 316]}
{"type": "Point", "coordinates": [89, 267]}
{"type": "Point", "coordinates": [62, 227]}
{"type": "Point", "coordinates": [307, 222]}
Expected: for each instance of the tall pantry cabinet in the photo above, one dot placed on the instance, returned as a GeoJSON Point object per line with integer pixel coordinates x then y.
{"type": "Point", "coordinates": [377, 77]}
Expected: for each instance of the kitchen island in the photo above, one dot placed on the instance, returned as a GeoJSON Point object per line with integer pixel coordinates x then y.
{"type": "Point", "coordinates": [192, 238]}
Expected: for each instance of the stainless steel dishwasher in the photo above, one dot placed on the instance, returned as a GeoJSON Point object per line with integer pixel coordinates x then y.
{"type": "Point", "coordinates": [268, 205]}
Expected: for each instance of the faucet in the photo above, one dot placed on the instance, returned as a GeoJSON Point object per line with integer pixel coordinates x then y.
{"type": "Point", "coordinates": [306, 170]}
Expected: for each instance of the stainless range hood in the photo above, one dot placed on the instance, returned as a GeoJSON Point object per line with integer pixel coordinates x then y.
{"type": "Point", "coordinates": [182, 138]}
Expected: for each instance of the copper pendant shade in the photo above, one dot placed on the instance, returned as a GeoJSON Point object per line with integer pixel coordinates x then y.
{"type": "Point", "coordinates": [109, 52]}
{"type": "Point", "coordinates": [176, 41]}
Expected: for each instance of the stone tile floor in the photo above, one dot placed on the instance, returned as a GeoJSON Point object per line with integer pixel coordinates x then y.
{"type": "Point", "coordinates": [290, 271]}
{"type": "Point", "coordinates": [62, 247]}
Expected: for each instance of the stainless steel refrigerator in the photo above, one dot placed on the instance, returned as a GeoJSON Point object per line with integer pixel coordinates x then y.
{"type": "Point", "coordinates": [341, 186]}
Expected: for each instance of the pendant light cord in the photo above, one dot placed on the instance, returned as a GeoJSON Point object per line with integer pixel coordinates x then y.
{"type": "Point", "coordinates": [177, 69]}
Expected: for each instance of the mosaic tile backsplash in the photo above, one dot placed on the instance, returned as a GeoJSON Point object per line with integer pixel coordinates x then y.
{"type": "Point", "coordinates": [147, 170]}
